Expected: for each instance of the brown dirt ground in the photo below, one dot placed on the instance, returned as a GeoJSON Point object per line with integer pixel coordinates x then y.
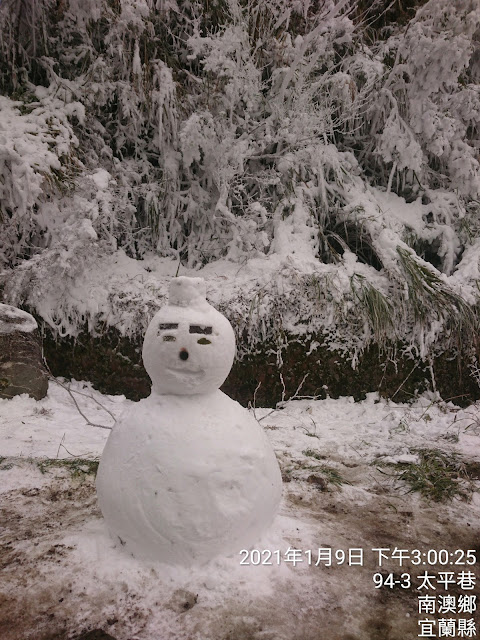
{"type": "Point", "coordinates": [42, 598]}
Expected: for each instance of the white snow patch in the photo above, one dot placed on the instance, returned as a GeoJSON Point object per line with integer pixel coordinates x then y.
{"type": "Point", "coordinates": [13, 319]}
{"type": "Point", "coordinates": [74, 570]}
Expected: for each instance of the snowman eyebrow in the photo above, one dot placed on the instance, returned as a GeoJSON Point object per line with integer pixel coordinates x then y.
{"type": "Point", "coordinates": [196, 328]}
{"type": "Point", "coordinates": [166, 326]}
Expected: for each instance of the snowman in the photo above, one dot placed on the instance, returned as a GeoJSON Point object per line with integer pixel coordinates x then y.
{"type": "Point", "coordinates": [188, 474]}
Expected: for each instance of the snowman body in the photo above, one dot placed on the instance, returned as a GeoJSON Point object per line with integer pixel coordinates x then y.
{"type": "Point", "coordinates": [188, 474]}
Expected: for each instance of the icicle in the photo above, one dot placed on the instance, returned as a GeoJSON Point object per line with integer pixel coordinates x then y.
{"type": "Point", "coordinates": [390, 179]}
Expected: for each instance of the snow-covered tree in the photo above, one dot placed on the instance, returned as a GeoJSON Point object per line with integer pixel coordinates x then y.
{"type": "Point", "coordinates": [305, 136]}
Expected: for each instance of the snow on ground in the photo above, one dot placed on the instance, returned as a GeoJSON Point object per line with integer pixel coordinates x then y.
{"type": "Point", "coordinates": [61, 574]}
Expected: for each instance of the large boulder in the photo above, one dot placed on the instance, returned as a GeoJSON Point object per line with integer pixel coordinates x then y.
{"type": "Point", "coordinates": [21, 364]}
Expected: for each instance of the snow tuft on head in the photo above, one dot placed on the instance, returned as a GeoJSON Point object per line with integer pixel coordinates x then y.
{"type": "Point", "coordinates": [187, 292]}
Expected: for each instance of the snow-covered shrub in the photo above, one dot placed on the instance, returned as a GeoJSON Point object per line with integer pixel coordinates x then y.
{"type": "Point", "coordinates": [239, 132]}
{"type": "Point", "coordinates": [426, 111]}
{"type": "Point", "coordinates": [37, 158]}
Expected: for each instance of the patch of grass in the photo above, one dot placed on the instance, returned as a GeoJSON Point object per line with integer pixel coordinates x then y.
{"type": "Point", "coordinates": [320, 475]}
{"type": "Point", "coordinates": [473, 470]}
{"type": "Point", "coordinates": [437, 476]}
{"type": "Point", "coordinates": [42, 411]}
{"type": "Point", "coordinates": [77, 467]}
{"type": "Point", "coordinates": [332, 476]}
{"type": "Point", "coordinates": [451, 437]}
{"type": "Point", "coordinates": [311, 453]}
{"type": "Point", "coordinates": [5, 466]}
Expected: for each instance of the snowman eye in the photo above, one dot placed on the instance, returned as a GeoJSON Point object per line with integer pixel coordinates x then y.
{"type": "Point", "coordinates": [196, 328]}
{"type": "Point", "coordinates": [167, 326]}
{"type": "Point", "coordinates": [204, 341]}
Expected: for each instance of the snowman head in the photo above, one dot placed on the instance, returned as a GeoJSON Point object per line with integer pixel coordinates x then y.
{"type": "Point", "coordinates": [189, 346]}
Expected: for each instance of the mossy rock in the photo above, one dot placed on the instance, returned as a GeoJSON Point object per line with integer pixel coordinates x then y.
{"type": "Point", "coordinates": [21, 364]}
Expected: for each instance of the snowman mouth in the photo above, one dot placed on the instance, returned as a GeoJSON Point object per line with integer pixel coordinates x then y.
{"type": "Point", "coordinates": [189, 373]}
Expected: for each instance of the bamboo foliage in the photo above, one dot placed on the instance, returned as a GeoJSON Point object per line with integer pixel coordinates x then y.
{"type": "Point", "coordinates": [239, 130]}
